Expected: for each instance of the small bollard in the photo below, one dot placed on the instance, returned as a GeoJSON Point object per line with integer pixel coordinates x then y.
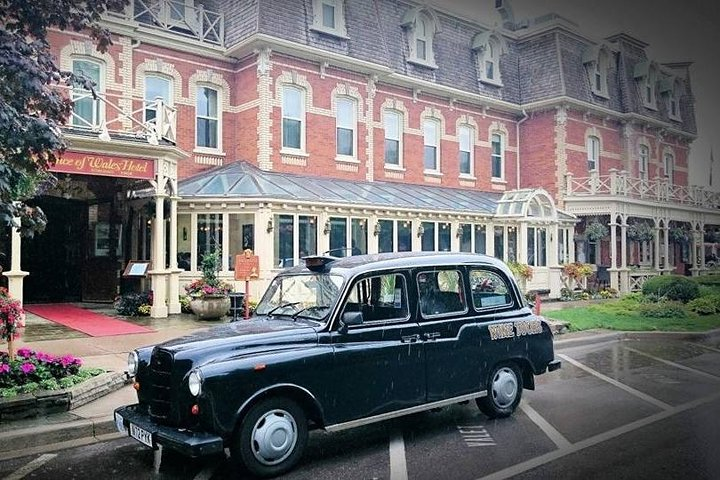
{"type": "Point", "coordinates": [537, 304]}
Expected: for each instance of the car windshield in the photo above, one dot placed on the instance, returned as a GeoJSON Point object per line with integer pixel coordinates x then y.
{"type": "Point", "coordinates": [308, 296]}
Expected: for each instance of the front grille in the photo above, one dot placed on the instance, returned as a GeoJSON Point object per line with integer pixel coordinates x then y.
{"type": "Point", "coordinates": [161, 365]}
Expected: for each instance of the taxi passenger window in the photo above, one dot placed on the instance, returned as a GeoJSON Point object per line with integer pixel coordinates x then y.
{"type": "Point", "coordinates": [440, 292]}
{"type": "Point", "coordinates": [489, 290]}
{"type": "Point", "coordinates": [380, 298]}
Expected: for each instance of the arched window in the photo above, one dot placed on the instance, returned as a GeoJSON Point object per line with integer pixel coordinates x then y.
{"type": "Point", "coordinates": [597, 61]}
{"type": "Point", "coordinates": [488, 47]}
{"type": "Point", "coordinates": [669, 166]}
{"type": "Point", "coordinates": [346, 124]}
{"type": "Point", "coordinates": [497, 156]}
{"type": "Point", "coordinates": [293, 118]}
{"type": "Point", "coordinates": [431, 134]}
{"type": "Point", "coordinates": [207, 118]}
{"type": "Point", "coordinates": [329, 17]}
{"type": "Point", "coordinates": [156, 87]}
{"type": "Point", "coordinates": [466, 136]}
{"type": "Point", "coordinates": [87, 111]}
{"type": "Point", "coordinates": [421, 25]}
{"type": "Point", "coordinates": [643, 162]}
{"type": "Point", "coordinates": [593, 153]}
{"type": "Point", "coordinates": [393, 123]}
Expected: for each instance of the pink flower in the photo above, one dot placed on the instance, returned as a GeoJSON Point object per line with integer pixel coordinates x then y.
{"type": "Point", "coordinates": [4, 368]}
{"type": "Point", "coordinates": [25, 352]}
{"type": "Point", "coordinates": [68, 360]}
{"type": "Point", "coordinates": [27, 368]}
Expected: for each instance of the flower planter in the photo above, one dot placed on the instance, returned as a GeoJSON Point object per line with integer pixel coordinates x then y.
{"type": "Point", "coordinates": [209, 307]}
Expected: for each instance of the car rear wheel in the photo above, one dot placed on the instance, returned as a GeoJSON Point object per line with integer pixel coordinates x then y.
{"type": "Point", "coordinates": [271, 438]}
{"type": "Point", "coordinates": [504, 391]}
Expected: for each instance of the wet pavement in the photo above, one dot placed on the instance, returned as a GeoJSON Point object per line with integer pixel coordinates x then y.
{"type": "Point", "coordinates": [624, 408]}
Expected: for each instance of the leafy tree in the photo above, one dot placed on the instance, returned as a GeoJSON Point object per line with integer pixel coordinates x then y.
{"type": "Point", "coordinates": [32, 107]}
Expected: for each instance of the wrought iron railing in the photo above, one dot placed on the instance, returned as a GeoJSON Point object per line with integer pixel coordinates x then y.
{"type": "Point", "coordinates": [659, 189]}
{"type": "Point", "coordinates": [177, 17]}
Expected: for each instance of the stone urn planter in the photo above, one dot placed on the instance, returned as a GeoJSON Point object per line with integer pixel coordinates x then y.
{"type": "Point", "coordinates": [210, 307]}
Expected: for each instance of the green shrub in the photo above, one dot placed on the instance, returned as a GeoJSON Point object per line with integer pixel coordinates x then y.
{"type": "Point", "coordinates": [663, 309]}
{"type": "Point", "coordinates": [132, 304]}
{"type": "Point", "coordinates": [706, 305]}
{"type": "Point", "coordinates": [707, 280]}
{"type": "Point", "coordinates": [672, 287]}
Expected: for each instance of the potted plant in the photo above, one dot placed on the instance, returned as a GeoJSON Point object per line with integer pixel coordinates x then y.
{"type": "Point", "coordinates": [576, 273]}
{"type": "Point", "coordinates": [11, 314]}
{"type": "Point", "coordinates": [522, 273]}
{"type": "Point", "coordinates": [209, 295]}
{"type": "Point", "coordinates": [640, 232]}
{"type": "Point", "coordinates": [679, 235]}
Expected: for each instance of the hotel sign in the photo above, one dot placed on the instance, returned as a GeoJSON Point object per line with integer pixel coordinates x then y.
{"type": "Point", "coordinates": [105, 165]}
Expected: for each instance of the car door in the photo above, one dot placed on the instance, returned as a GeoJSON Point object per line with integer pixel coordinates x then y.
{"type": "Point", "coordinates": [452, 337]}
{"type": "Point", "coordinates": [379, 365]}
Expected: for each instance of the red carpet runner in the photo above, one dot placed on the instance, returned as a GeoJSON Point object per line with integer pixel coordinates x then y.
{"type": "Point", "coordinates": [86, 321]}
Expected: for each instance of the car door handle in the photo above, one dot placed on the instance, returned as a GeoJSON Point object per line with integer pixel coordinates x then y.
{"type": "Point", "coordinates": [410, 338]}
{"type": "Point", "coordinates": [431, 335]}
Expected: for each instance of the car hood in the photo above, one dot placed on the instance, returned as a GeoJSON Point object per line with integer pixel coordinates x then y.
{"type": "Point", "coordinates": [244, 336]}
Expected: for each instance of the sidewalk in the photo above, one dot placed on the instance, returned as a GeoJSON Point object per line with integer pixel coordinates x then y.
{"type": "Point", "coordinates": [93, 421]}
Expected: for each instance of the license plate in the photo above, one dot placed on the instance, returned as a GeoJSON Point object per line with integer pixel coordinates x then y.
{"type": "Point", "coordinates": [120, 425]}
{"type": "Point", "coordinates": [141, 435]}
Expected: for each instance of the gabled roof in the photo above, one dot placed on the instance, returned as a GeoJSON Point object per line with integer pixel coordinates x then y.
{"type": "Point", "coordinates": [243, 180]}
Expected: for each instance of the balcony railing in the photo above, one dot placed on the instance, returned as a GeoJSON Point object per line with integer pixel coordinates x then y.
{"type": "Point", "coordinates": [620, 184]}
{"type": "Point", "coordinates": [177, 17]}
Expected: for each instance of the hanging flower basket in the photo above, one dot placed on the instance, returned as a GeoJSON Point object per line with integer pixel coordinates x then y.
{"type": "Point", "coordinates": [640, 232]}
{"type": "Point", "coordinates": [679, 235]}
{"type": "Point", "coordinates": [596, 231]}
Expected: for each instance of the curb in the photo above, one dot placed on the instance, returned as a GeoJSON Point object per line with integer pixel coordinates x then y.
{"type": "Point", "coordinates": [590, 337]}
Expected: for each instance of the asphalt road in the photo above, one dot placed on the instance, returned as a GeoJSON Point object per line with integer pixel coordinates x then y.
{"type": "Point", "coordinates": [622, 409]}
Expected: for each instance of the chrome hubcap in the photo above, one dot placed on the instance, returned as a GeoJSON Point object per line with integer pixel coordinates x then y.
{"type": "Point", "coordinates": [504, 387]}
{"type": "Point", "coordinates": [274, 437]}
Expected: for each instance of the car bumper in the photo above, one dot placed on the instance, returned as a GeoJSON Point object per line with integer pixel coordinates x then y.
{"type": "Point", "coordinates": [186, 442]}
{"type": "Point", "coordinates": [554, 365]}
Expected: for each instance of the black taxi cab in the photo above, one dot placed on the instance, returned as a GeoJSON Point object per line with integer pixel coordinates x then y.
{"type": "Point", "coordinates": [338, 343]}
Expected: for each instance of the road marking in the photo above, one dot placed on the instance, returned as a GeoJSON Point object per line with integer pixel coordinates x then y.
{"type": "Point", "coordinates": [30, 467]}
{"type": "Point", "coordinates": [676, 365]}
{"type": "Point", "coordinates": [476, 436]}
{"type": "Point", "coordinates": [551, 432]}
{"type": "Point", "coordinates": [398, 463]}
{"type": "Point", "coordinates": [630, 390]}
{"type": "Point", "coordinates": [706, 347]}
{"type": "Point", "coordinates": [592, 441]}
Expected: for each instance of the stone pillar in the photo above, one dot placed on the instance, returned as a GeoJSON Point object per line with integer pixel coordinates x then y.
{"type": "Point", "coordinates": [158, 275]}
{"type": "Point", "coordinates": [265, 241]}
{"type": "Point", "coordinates": [174, 281]}
{"type": "Point", "coordinates": [656, 246]}
{"type": "Point", "coordinates": [666, 248]}
{"type": "Point", "coordinates": [15, 275]}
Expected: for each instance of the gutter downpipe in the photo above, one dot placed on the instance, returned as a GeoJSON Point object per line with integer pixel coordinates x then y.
{"type": "Point", "coordinates": [517, 155]}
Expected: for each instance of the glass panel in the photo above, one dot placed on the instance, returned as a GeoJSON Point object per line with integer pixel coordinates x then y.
{"type": "Point", "coordinates": [328, 15]}
{"type": "Point", "coordinates": [392, 125]}
{"type": "Point", "coordinates": [183, 241]}
{"type": "Point", "coordinates": [479, 238]}
{"type": "Point", "coordinates": [440, 292]}
{"type": "Point", "coordinates": [489, 289]}
{"type": "Point", "coordinates": [207, 134]}
{"type": "Point", "coordinates": [421, 50]}
{"type": "Point", "coordinates": [512, 244]}
{"type": "Point", "coordinates": [209, 234]}
{"type": "Point", "coordinates": [242, 236]}
{"type": "Point", "coordinates": [430, 162]}
{"type": "Point", "coordinates": [345, 113]}
{"type": "Point", "coordinates": [499, 243]}
{"type": "Point", "coordinates": [344, 141]}
{"type": "Point", "coordinates": [496, 157]}
{"type": "Point", "coordinates": [386, 237]}
{"type": "Point", "coordinates": [466, 237]}
{"type": "Point", "coordinates": [292, 103]}
{"type": "Point", "coordinates": [489, 69]}
{"type": "Point", "coordinates": [84, 105]}
{"type": "Point", "coordinates": [428, 236]}
{"type": "Point", "coordinates": [284, 240]}
{"type": "Point", "coordinates": [338, 237]}
{"type": "Point", "coordinates": [155, 87]}
{"type": "Point", "coordinates": [308, 235]}
{"type": "Point", "coordinates": [444, 237]}
{"type": "Point", "coordinates": [531, 246]}
{"type": "Point", "coordinates": [392, 152]}
{"type": "Point", "coordinates": [464, 160]}
{"type": "Point", "coordinates": [542, 247]}
{"type": "Point", "coordinates": [207, 102]}
{"type": "Point", "coordinates": [359, 236]}
{"type": "Point", "coordinates": [291, 133]}
{"type": "Point", "coordinates": [404, 236]}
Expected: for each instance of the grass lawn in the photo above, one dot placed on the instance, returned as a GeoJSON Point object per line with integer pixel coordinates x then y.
{"type": "Point", "coordinates": [605, 316]}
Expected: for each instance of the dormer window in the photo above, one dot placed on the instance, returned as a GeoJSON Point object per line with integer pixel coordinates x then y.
{"type": "Point", "coordinates": [646, 76]}
{"type": "Point", "coordinates": [488, 47]}
{"type": "Point", "coordinates": [421, 25]}
{"type": "Point", "coordinates": [329, 17]}
{"type": "Point", "coordinates": [671, 87]}
{"type": "Point", "coordinates": [597, 62]}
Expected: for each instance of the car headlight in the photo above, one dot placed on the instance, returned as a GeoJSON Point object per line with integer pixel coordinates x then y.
{"type": "Point", "coordinates": [132, 363]}
{"type": "Point", "coordinates": [195, 383]}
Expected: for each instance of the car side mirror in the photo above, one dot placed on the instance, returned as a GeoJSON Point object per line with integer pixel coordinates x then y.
{"type": "Point", "coordinates": [350, 319]}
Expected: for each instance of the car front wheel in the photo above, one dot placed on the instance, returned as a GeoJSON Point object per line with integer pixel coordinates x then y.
{"type": "Point", "coordinates": [504, 390]}
{"type": "Point", "coordinates": [271, 438]}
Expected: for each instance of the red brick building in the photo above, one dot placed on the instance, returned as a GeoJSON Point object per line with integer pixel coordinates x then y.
{"type": "Point", "coordinates": [297, 127]}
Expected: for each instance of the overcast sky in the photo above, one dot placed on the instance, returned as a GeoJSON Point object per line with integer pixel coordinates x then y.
{"type": "Point", "coordinates": [677, 31]}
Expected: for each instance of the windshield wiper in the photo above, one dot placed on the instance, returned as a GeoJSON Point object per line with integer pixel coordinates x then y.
{"type": "Point", "coordinates": [314, 307]}
{"type": "Point", "coordinates": [283, 305]}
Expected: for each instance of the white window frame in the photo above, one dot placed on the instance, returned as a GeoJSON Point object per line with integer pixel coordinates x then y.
{"type": "Point", "coordinates": [300, 118]}
{"type": "Point", "coordinates": [98, 110]}
{"type": "Point", "coordinates": [340, 29]}
{"type": "Point", "coordinates": [435, 125]}
{"type": "Point", "coordinates": [150, 102]}
{"type": "Point", "coordinates": [649, 89]}
{"type": "Point", "coordinates": [218, 118]}
{"type": "Point", "coordinates": [643, 162]}
{"type": "Point", "coordinates": [669, 167]}
{"type": "Point", "coordinates": [674, 102]}
{"type": "Point", "coordinates": [598, 72]}
{"type": "Point", "coordinates": [398, 116]}
{"type": "Point", "coordinates": [593, 153]}
{"type": "Point", "coordinates": [470, 135]}
{"type": "Point", "coordinates": [500, 156]}
{"type": "Point", "coordinates": [352, 127]}
{"type": "Point", "coordinates": [422, 29]}
{"type": "Point", "coordinates": [490, 55]}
